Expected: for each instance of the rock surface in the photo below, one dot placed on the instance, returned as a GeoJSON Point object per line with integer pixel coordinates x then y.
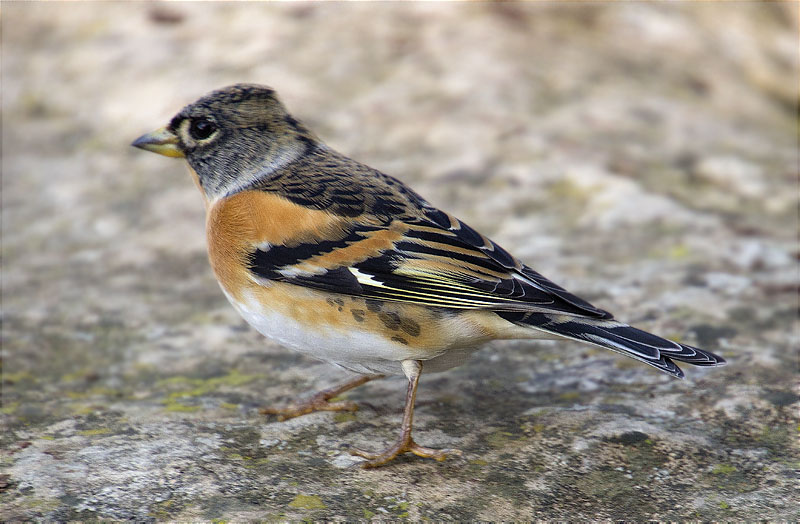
{"type": "Point", "coordinates": [643, 155]}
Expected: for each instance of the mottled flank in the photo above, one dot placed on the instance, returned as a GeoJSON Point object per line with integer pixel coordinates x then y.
{"type": "Point", "coordinates": [410, 326]}
{"type": "Point", "coordinates": [390, 320]}
{"type": "Point", "coordinates": [644, 155]}
{"type": "Point", "coordinates": [374, 305]}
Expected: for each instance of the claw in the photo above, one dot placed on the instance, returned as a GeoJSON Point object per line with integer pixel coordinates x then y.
{"type": "Point", "coordinates": [375, 460]}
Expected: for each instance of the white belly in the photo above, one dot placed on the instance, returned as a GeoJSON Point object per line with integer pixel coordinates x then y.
{"type": "Point", "coordinates": [356, 350]}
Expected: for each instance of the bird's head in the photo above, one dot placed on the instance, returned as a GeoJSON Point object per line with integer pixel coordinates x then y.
{"type": "Point", "coordinates": [232, 137]}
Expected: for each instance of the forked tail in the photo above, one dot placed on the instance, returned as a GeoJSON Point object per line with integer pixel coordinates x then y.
{"type": "Point", "coordinates": [616, 336]}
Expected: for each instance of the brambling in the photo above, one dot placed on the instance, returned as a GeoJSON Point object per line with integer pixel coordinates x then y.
{"type": "Point", "coordinates": [345, 264]}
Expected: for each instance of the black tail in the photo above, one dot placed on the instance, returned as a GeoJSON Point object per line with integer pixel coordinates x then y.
{"type": "Point", "coordinates": [616, 336]}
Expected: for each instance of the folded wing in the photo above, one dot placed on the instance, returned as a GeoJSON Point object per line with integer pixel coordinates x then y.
{"type": "Point", "coordinates": [432, 260]}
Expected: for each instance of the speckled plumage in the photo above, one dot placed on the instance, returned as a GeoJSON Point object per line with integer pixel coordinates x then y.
{"type": "Point", "coordinates": [344, 263]}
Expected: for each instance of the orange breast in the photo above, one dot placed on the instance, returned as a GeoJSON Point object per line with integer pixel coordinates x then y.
{"type": "Point", "coordinates": [236, 224]}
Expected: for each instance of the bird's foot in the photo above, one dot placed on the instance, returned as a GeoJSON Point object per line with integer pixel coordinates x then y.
{"type": "Point", "coordinates": [316, 403]}
{"type": "Point", "coordinates": [320, 401]}
{"type": "Point", "coordinates": [404, 445]}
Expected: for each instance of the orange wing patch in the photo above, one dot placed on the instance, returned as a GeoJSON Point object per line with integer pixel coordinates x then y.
{"type": "Point", "coordinates": [236, 223]}
{"type": "Point", "coordinates": [374, 243]}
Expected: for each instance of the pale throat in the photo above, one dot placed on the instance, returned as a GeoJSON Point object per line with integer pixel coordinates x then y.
{"type": "Point", "coordinates": [252, 174]}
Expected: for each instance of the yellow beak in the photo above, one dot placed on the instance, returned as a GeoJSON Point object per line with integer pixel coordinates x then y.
{"type": "Point", "coordinates": [160, 141]}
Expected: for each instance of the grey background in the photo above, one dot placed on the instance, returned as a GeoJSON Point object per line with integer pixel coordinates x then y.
{"type": "Point", "coordinates": [642, 155]}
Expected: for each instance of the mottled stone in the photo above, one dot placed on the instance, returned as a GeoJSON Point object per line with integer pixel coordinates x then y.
{"type": "Point", "coordinates": [643, 155]}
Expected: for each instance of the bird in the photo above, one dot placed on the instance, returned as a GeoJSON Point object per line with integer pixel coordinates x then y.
{"type": "Point", "coordinates": [348, 265]}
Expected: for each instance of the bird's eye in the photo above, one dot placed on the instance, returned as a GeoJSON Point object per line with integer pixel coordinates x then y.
{"type": "Point", "coordinates": [200, 128]}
